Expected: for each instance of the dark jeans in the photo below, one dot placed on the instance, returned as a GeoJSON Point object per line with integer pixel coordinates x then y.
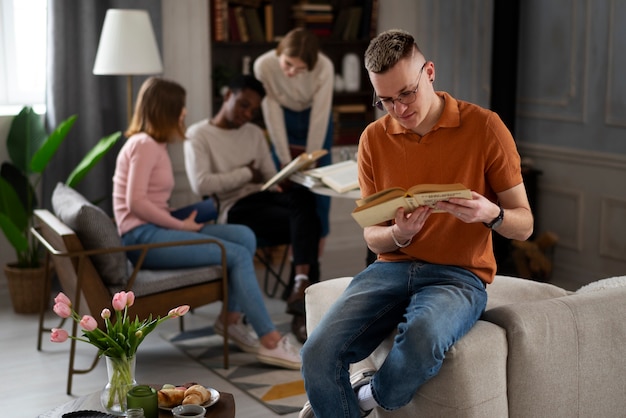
{"type": "Point", "coordinates": [288, 217]}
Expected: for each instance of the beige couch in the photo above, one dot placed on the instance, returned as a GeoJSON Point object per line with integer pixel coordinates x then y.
{"type": "Point", "coordinates": [538, 351]}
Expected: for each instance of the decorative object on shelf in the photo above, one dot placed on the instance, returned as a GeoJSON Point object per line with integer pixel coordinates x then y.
{"type": "Point", "coordinates": [127, 47]}
{"type": "Point", "coordinates": [351, 72]}
{"type": "Point", "coordinates": [118, 342]}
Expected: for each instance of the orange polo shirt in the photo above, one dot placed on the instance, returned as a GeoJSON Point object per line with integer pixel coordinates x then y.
{"type": "Point", "coordinates": [468, 145]}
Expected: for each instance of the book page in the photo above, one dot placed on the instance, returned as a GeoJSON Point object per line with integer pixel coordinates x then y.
{"type": "Point", "coordinates": [382, 212]}
{"type": "Point", "coordinates": [382, 206]}
{"type": "Point", "coordinates": [326, 170]}
{"type": "Point", "coordinates": [340, 177]}
{"type": "Point", "coordinates": [343, 180]}
{"type": "Point", "coordinates": [301, 162]}
{"type": "Point", "coordinates": [381, 196]}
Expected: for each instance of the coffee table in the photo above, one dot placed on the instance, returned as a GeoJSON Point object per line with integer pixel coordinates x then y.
{"type": "Point", "coordinates": [224, 408]}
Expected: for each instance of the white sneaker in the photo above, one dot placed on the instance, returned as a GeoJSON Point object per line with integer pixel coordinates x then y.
{"type": "Point", "coordinates": [286, 354]}
{"type": "Point", "coordinates": [358, 379]}
{"type": "Point", "coordinates": [307, 411]}
{"type": "Point", "coordinates": [240, 334]}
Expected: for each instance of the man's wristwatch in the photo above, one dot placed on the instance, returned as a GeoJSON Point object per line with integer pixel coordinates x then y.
{"type": "Point", "coordinates": [497, 221]}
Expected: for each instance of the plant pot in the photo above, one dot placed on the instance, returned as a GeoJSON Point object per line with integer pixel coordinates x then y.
{"type": "Point", "coordinates": [26, 288]}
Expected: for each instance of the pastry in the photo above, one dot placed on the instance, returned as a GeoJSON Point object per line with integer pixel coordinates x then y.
{"type": "Point", "coordinates": [196, 394]}
{"type": "Point", "coordinates": [169, 398]}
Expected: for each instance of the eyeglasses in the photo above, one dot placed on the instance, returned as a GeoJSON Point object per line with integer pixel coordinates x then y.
{"type": "Point", "coordinates": [406, 97]}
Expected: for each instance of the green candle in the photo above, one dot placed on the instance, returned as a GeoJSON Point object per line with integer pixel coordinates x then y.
{"type": "Point", "coordinates": [143, 397]}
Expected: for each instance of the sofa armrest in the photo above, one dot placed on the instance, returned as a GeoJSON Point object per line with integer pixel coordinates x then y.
{"type": "Point", "coordinates": [567, 356]}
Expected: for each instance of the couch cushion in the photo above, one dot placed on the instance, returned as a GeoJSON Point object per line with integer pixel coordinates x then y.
{"type": "Point", "coordinates": [157, 281]}
{"type": "Point", "coordinates": [506, 290]}
{"type": "Point", "coordinates": [95, 229]}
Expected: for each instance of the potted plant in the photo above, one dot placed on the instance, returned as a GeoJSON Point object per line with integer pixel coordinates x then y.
{"type": "Point", "coordinates": [30, 149]}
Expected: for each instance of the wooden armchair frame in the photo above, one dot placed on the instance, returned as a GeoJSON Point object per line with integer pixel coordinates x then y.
{"type": "Point", "coordinates": [82, 282]}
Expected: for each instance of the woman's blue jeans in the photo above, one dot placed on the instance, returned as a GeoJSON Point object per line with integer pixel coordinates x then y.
{"type": "Point", "coordinates": [240, 244]}
{"type": "Point", "coordinates": [431, 307]}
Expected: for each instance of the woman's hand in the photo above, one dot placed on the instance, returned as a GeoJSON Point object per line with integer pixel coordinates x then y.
{"type": "Point", "coordinates": [190, 224]}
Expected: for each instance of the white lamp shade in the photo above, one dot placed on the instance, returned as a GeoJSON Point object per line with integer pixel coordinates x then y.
{"type": "Point", "coordinates": [127, 45]}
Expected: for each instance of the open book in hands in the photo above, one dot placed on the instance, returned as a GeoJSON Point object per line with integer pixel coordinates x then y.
{"type": "Point", "coordinates": [382, 206]}
{"type": "Point", "coordinates": [301, 162]}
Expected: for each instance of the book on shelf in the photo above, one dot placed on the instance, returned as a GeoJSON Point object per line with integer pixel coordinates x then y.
{"type": "Point", "coordinates": [341, 177]}
{"type": "Point", "coordinates": [219, 20]}
{"type": "Point", "coordinates": [253, 22]}
{"type": "Point", "coordinates": [249, 3]}
{"type": "Point", "coordinates": [350, 108]}
{"type": "Point", "coordinates": [301, 162]}
{"type": "Point", "coordinates": [269, 22]}
{"type": "Point", "coordinates": [382, 206]}
{"type": "Point", "coordinates": [233, 26]}
{"type": "Point", "coordinates": [241, 24]}
{"type": "Point", "coordinates": [353, 24]}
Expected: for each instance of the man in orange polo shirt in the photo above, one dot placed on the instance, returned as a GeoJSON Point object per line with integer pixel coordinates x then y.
{"type": "Point", "coordinates": [429, 280]}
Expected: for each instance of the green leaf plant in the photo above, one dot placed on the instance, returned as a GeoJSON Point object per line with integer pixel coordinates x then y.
{"type": "Point", "coordinates": [30, 149]}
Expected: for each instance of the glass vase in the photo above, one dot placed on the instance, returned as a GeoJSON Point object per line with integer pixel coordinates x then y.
{"type": "Point", "coordinates": [121, 374]}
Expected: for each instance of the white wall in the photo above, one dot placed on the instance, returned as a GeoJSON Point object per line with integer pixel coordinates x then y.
{"type": "Point", "coordinates": [186, 59]}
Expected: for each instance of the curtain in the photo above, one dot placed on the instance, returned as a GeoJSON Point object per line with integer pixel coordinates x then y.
{"type": "Point", "coordinates": [99, 102]}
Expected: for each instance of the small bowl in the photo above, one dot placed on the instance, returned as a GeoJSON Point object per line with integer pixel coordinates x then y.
{"type": "Point", "coordinates": [188, 411]}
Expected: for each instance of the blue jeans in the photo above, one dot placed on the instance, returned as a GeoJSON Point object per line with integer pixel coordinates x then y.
{"type": "Point", "coordinates": [240, 244]}
{"type": "Point", "coordinates": [297, 125]}
{"type": "Point", "coordinates": [431, 306]}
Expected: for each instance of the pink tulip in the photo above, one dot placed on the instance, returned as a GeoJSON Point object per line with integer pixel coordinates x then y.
{"type": "Point", "coordinates": [88, 323]}
{"type": "Point", "coordinates": [62, 309]}
{"type": "Point", "coordinates": [130, 298]}
{"type": "Point", "coordinates": [179, 311]}
{"type": "Point", "coordinates": [105, 314]}
{"type": "Point", "coordinates": [61, 298]}
{"type": "Point", "coordinates": [119, 301]}
{"type": "Point", "coordinates": [58, 335]}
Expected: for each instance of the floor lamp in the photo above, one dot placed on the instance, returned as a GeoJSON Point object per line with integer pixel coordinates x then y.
{"type": "Point", "coordinates": [127, 47]}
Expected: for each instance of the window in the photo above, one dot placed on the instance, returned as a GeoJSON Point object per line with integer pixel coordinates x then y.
{"type": "Point", "coordinates": [22, 52]}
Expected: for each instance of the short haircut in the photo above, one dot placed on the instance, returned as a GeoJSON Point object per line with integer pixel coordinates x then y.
{"type": "Point", "coordinates": [387, 48]}
{"type": "Point", "coordinates": [246, 82]}
{"type": "Point", "coordinates": [302, 44]}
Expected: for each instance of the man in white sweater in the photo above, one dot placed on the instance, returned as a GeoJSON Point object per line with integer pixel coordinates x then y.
{"type": "Point", "coordinates": [229, 157]}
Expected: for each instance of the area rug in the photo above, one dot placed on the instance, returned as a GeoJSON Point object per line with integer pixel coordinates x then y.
{"type": "Point", "coordinates": [280, 390]}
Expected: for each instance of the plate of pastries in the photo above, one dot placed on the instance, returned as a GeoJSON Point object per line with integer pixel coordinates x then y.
{"type": "Point", "coordinates": [170, 396]}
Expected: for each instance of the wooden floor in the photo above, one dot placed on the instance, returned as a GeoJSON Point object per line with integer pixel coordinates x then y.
{"type": "Point", "coordinates": [33, 382]}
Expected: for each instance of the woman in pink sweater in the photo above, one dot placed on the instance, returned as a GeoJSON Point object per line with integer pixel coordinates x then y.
{"type": "Point", "coordinates": [142, 186]}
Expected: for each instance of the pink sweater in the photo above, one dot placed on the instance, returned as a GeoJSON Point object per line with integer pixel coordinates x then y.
{"type": "Point", "coordinates": [142, 185]}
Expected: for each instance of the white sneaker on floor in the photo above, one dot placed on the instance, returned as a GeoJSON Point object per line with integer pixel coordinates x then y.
{"type": "Point", "coordinates": [358, 379]}
{"type": "Point", "coordinates": [240, 334]}
{"type": "Point", "coordinates": [286, 354]}
{"type": "Point", "coordinates": [307, 411]}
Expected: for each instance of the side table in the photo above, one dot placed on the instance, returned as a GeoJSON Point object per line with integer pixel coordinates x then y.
{"type": "Point", "coordinates": [224, 408]}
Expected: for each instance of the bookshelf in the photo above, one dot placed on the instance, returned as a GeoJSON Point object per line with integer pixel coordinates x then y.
{"type": "Point", "coordinates": [241, 30]}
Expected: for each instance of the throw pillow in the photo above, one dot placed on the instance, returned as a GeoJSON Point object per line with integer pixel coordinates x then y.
{"type": "Point", "coordinates": [610, 283]}
{"type": "Point", "coordinates": [95, 229]}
